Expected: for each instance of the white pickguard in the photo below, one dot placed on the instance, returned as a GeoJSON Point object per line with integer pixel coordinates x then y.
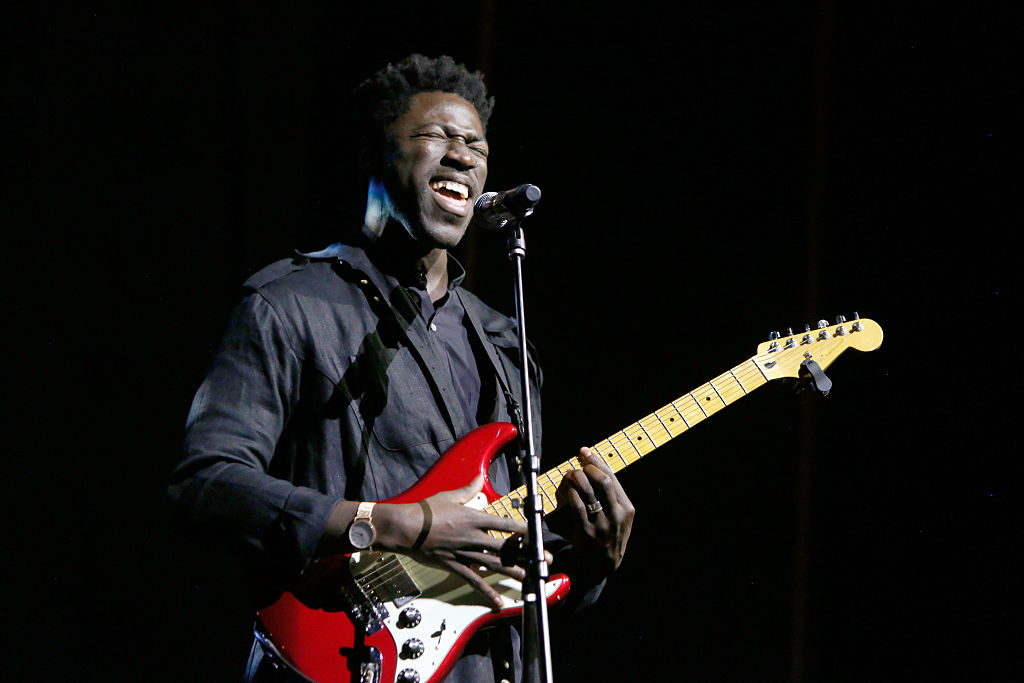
{"type": "Point", "coordinates": [446, 607]}
{"type": "Point", "coordinates": [443, 622]}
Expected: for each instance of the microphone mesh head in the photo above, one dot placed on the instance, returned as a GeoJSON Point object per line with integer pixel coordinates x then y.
{"type": "Point", "coordinates": [484, 201]}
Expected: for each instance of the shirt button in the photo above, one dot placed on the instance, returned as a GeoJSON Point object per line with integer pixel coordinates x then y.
{"type": "Point", "coordinates": [433, 327]}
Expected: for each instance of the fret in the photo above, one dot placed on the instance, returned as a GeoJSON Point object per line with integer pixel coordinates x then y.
{"type": "Point", "coordinates": [653, 442]}
{"type": "Point", "coordinates": [758, 366]}
{"type": "Point", "coordinates": [681, 416]}
{"type": "Point", "coordinates": [694, 398]}
{"type": "Point", "coordinates": [546, 495]}
{"type": "Point", "coordinates": [617, 452]}
{"type": "Point", "coordinates": [632, 445]}
{"type": "Point", "coordinates": [501, 501]}
{"type": "Point", "coordinates": [720, 397]}
{"type": "Point", "coordinates": [554, 481]}
{"type": "Point", "coordinates": [658, 429]}
{"type": "Point", "coordinates": [664, 426]}
{"type": "Point", "coordinates": [743, 388]}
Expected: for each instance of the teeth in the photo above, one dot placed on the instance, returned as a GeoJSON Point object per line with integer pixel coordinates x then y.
{"type": "Point", "coordinates": [451, 186]}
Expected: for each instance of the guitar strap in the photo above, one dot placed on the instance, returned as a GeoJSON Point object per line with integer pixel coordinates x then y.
{"type": "Point", "coordinates": [500, 366]}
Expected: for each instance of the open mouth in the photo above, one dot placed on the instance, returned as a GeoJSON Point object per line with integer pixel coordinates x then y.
{"type": "Point", "coordinates": [452, 195]}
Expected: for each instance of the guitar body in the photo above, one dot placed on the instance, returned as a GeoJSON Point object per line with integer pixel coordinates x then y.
{"type": "Point", "coordinates": [405, 618]}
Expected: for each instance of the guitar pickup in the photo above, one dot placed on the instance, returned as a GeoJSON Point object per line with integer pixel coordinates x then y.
{"type": "Point", "coordinates": [382, 578]}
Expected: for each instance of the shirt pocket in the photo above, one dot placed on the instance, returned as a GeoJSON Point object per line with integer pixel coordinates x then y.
{"type": "Point", "coordinates": [398, 405]}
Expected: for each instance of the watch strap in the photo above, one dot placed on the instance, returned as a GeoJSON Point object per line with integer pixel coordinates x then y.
{"type": "Point", "coordinates": [365, 512]}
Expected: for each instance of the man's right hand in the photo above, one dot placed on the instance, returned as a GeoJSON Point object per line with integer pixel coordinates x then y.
{"type": "Point", "coordinates": [459, 540]}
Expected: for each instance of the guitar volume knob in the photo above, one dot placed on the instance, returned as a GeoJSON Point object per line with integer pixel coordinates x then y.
{"type": "Point", "coordinates": [409, 617]}
{"type": "Point", "coordinates": [408, 676]}
{"type": "Point", "coordinates": [412, 649]}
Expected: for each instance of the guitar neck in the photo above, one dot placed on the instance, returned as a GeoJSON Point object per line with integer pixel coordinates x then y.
{"type": "Point", "coordinates": [628, 445]}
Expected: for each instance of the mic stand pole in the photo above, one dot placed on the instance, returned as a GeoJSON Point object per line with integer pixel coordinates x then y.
{"type": "Point", "coordinates": [536, 635]}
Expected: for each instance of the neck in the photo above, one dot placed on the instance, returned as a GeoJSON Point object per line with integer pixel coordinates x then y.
{"type": "Point", "coordinates": [388, 231]}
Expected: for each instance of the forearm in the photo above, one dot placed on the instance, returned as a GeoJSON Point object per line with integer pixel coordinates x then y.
{"type": "Point", "coordinates": [397, 527]}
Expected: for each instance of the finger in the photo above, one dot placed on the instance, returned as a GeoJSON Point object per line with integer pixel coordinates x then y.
{"type": "Point", "coordinates": [607, 486]}
{"type": "Point", "coordinates": [494, 543]}
{"type": "Point", "coordinates": [490, 562]}
{"type": "Point", "coordinates": [596, 459]}
{"type": "Point", "coordinates": [575, 501]}
{"type": "Point", "coordinates": [477, 583]}
{"type": "Point", "coordinates": [505, 525]}
{"type": "Point", "coordinates": [581, 483]}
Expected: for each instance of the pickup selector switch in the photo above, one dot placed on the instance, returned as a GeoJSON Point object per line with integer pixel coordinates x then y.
{"type": "Point", "coordinates": [412, 648]}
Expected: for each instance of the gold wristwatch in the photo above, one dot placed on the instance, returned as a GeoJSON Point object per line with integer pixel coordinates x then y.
{"type": "Point", "coordinates": [361, 533]}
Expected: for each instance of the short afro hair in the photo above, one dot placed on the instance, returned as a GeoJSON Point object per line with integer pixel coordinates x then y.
{"type": "Point", "coordinates": [382, 98]}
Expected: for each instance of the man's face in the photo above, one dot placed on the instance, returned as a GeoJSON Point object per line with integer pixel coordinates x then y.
{"type": "Point", "coordinates": [437, 167]}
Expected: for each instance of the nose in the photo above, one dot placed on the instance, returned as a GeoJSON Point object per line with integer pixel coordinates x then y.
{"type": "Point", "coordinates": [458, 155]}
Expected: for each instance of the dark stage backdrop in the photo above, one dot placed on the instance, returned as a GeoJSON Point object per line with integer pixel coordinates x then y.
{"type": "Point", "coordinates": [710, 174]}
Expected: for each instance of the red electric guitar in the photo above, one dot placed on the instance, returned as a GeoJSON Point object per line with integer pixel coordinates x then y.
{"type": "Point", "coordinates": [407, 622]}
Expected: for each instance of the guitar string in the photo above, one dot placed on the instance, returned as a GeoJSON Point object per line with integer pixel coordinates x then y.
{"type": "Point", "coordinates": [746, 376]}
{"type": "Point", "coordinates": [393, 569]}
{"type": "Point", "coordinates": [374, 574]}
{"type": "Point", "coordinates": [747, 370]}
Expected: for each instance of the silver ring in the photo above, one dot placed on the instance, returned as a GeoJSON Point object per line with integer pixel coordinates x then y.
{"type": "Point", "coordinates": [594, 508]}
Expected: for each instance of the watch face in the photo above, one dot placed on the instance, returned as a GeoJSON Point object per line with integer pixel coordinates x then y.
{"type": "Point", "coordinates": [361, 534]}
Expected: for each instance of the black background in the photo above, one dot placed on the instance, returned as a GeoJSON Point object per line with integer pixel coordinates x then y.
{"type": "Point", "coordinates": [710, 173]}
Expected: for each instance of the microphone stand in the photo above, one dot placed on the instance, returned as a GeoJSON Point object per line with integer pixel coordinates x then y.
{"type": "Point", "coordinates": [536, 636]}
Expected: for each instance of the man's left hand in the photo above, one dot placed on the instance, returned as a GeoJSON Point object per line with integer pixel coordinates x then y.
{"type": "Point", "coordinates": [603, 513]}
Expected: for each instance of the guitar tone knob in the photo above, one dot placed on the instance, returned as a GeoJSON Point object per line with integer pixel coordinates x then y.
{"type": "Point", "coordinates": [408, 676]}
{"type": "Point", "coordinates": [412, 648]}
{"type": "Point", "coordinates": [409, 617]}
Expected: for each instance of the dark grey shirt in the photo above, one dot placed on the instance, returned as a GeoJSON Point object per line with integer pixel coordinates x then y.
{"type": "Point", "coordinates": [446, 320]}
{"type": "Point", "coordinates": [331, 384]}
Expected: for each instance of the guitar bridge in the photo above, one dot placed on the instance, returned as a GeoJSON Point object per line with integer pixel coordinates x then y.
{"type": "Point", "coordinates": [379, 578]}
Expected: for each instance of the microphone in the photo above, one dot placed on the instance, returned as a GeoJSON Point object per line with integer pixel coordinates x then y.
{"type": "Point", "coordinates": [494, 209]}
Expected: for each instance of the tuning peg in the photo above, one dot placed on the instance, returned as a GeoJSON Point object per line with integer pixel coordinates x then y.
{"type": "Point", "coordinates": [840, 319]}
{"type": "Point", "coordinates": [822, 324]}
{"type": "Point", "coordinates": [772, 336]}
{"type": "Point", "coordinates": [807, 328]}
{"type": "Point", "coordinates": [789, 331]}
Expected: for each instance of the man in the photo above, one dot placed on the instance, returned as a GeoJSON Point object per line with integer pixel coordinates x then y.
{"type": "Point", "coordinates": [346, 373]}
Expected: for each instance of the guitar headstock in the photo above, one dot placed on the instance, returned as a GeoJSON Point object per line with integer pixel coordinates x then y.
{"type": "Point", "coordinates": [781, 356]}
